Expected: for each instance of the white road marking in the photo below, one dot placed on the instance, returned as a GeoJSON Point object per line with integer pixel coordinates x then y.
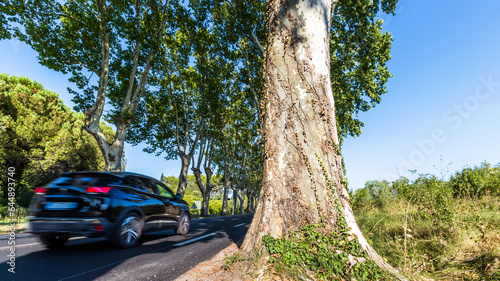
{"type": "Point", "coordinates": [31, 244]}
{"type": "Point", "coordinates": [17, 246]}
{"type": "Point", "coordinates": [194, 239]}
{"type": "Point", "coordinates": [238, 225]}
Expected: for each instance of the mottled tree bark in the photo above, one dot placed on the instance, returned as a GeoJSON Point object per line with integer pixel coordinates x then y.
{"type": "Point", "coordinates": [225, 182]}
{"type": "Point", "coordinates": [208, 191]}
{"type": "Point", "coordinates": [205, 189]}
{"type": "Point", "coordinates": [299, 122]}
{"type": "Point", "coordinates": [112, 152]}
{"type": "Point", "coordinates": [185, 162]}
{"type": "Point", "coordinates": [249, 208]}
{"type": "Point", "coordinates": [206, 154]}
{"type": "Point", "coordinates": [223, 211]}
{"type": "Point", "coordinates": [235, 201]}
{"type": "Point", "coordinates": [242, 203]}
{"type": "Point", "coordinates": [302, 177]}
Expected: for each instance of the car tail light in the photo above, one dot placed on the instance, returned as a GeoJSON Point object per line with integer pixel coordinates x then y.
{"type": "Point", "coordinates": [98, 227]}
{"type": "Point", "coordinates": [40, 190]}
{"type": "Point", "coordinates": [93, 189]}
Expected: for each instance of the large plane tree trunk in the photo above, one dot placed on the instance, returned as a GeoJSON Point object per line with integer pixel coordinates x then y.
{"type": "Point", "coordinates": [302, 177]}
{"type": "Point", "coordinates": [299, 123]}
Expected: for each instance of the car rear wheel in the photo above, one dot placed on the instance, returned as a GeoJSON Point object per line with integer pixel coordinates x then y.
{"type": "Point", "coordinates": [183, 227]}
{"type": "Point", "coordinates": [129, 231]}
{"type": "Point", "coordinates": [53, 241]}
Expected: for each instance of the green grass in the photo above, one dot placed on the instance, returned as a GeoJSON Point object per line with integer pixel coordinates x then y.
{"type": "Point", "coordinates": [466, 246]}
{"type": "Point", "coordinates": [20, 214]}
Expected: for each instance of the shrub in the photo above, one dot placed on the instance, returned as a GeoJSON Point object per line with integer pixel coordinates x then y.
{"type": "Point", "coordinates": [476, 182]}
{"type": "Point", "coordinates": [214, 206]}
{"type": "Point", "coordinates": [375, 193]}
{"type": "Point", "coordinates": [433, 198]}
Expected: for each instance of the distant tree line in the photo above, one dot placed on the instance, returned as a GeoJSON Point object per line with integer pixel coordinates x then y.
{"type": "Point", "coordinates": [234, 204]}
{"type": "Point", "coordinates": [431, 190]}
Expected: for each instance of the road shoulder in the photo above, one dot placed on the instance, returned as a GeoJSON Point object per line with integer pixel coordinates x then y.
{"type": "Point", "coordinates": [213, 269]}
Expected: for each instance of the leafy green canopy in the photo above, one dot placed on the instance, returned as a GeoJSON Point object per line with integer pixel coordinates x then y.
{"type": "Point", "coordinates": [69, 37]}
{"type": "Point", "coordinates": [359, 53]}
{"type": "Point", "coordinates": [471, 182]}
{"type": "Point", "coordinates": [6, 14]}
{"type": "Point", "coordinates": [40, 137]}
{"type": "Point", "coordinates": [200, 78]}
{"type": "Point", "coordinates": [108, 48]}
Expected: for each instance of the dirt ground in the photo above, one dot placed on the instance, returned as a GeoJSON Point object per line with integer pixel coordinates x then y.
{"type": "Point", "coordinates": [228, 265]}
{"type": "Point", "coordinates": [215, 268]}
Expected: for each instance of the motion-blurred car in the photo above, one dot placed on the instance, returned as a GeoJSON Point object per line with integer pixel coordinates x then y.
{"type": "Point", "coordinates": [117, 205]}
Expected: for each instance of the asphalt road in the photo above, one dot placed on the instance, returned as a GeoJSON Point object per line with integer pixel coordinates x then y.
{"type": "Point", "coordinates": [158, 256]}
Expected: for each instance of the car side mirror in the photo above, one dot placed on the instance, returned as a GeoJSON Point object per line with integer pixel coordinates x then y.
{"type": "Point", "coordinates": [177, 196]}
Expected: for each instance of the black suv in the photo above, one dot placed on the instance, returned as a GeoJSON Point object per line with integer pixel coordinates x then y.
{"type": "Point", "coordinates": [120, 206]}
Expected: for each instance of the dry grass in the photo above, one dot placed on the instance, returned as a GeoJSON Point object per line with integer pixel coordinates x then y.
{"type": "Point", "coordinates": [20, 228]}
{"type": "Point", "coordinates": [467, 247]}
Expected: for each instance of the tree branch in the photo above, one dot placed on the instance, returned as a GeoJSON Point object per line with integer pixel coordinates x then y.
{"type": "Point", "coordinates": [257, 43]}
{"type": "Point", "coordinates": [95, 112]}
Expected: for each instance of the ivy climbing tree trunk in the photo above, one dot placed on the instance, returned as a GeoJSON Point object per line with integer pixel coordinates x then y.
{"type": "Point", "coordinates": [302, 164]}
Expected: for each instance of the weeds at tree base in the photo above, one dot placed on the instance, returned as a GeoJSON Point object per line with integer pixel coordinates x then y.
{"type": "Point", "coordinates": [310, 254]}
{"type": "Point", "coordinates": [230, 260]}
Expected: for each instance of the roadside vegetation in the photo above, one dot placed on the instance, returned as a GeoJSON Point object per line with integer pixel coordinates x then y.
{"type": "Point", "coordinates": [41, 138]}
{"type": "Point", "coordinates": [432, 228]}
{"type": "Point", "coordinates": [429, 228]}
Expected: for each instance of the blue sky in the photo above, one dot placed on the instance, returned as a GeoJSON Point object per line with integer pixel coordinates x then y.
{"type": "Point", "coordinates": [443, 100]}
{"type": "Point", "coordinates": [442, 103]}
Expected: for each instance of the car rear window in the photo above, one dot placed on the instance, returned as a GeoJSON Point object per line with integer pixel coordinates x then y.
{"type": "Point", "coordinates": [140, 183]}
{"type": "Point", "coordinates": [87, 180]}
